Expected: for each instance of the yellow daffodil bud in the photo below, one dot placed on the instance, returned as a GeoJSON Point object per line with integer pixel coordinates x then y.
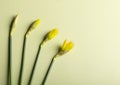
{"type": "Point", "coordinates": [50, 35]}
{"type": "Point", "coordinates": [66, 47]}
{"type": "Point", "coordinates": [14, 24]}
{"type": "Point", "coordinates": [33, 26]}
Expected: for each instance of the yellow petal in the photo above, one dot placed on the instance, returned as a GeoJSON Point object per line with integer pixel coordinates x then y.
{"type": "Point", "coordinates": [69, 46]}
{"type": "Point", "coordinates": [64, 45]}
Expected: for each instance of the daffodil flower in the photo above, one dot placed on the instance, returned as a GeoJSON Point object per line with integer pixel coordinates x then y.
{"type": "Point", "coordinates": [66, 47]}
{"type": "Point", "coordinates": [33, 26]}
{"type": "Point", "coordinates": [50, 35]}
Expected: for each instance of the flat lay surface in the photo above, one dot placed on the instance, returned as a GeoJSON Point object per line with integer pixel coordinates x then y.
{"type": "Point", "coordinates": [93, 26]}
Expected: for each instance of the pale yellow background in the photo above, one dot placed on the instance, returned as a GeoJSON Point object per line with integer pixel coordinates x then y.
{"type": "Point", "coordinates": [93, 25]}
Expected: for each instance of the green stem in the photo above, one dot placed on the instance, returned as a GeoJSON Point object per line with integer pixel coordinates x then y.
{"type": "Point", "coordinates": [48, 70]}
{"type": "Point", "coordinates": [34, 66]}
{"type": "Point", "coordinates": [9, 80]}
{"type": "Point", "coordinates": [22, 61]}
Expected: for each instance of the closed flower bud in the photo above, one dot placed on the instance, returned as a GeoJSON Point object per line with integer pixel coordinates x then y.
{"type": "Point", "coordinates": [50, 35]}
{"type": "Point", "coordinates": [33, 26]}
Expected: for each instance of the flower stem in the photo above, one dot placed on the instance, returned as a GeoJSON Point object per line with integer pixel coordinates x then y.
{"type": "Point", "coordinates": [22, 61]}
{"type": "Point", "coordinates": [48, 70]}
{"type": "Point", "coordinates": [34, 66]}
{"type": "Point", "coordinates": [9, 80]}
{"type": "Point", "coordinates": [12, 27]}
